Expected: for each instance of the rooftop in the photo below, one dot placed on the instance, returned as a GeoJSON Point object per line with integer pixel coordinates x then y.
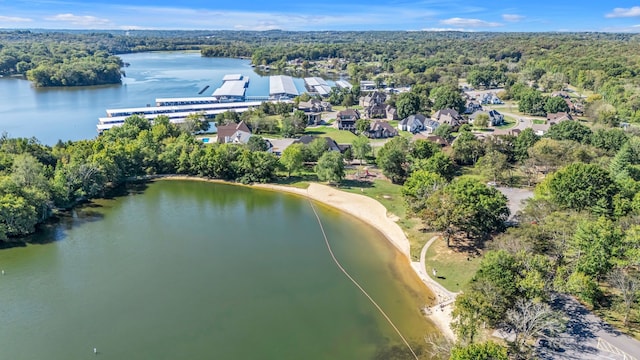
{"type": "Point", "coordinates": [282, 84]}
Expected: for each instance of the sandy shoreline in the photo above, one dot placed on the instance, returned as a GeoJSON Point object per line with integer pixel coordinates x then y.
{"type": "Point", "coordinates": [366, 209]}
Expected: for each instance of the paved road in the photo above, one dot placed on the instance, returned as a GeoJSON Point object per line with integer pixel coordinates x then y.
{"type": "Point", "coordinates": [587, 337]}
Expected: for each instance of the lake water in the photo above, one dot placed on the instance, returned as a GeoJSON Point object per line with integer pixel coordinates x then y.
{"type": "Point", "coordinates": [72, 113]}
{"type": "Point", "coordinates": [194, 270]}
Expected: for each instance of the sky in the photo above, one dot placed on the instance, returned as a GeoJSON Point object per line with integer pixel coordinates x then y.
{"type": "Point", "coordinates": [410, 15]}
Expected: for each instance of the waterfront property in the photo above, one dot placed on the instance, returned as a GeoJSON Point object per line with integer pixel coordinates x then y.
{"type": "Point", "coordinates": [281, 87]}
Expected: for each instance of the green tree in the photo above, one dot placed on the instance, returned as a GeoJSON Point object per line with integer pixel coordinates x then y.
{"type": "Point", "coordinates": [444, 131]}
{"type": "Point", "coordinates": [257, 143]}
{"type": "Point", "coordinates": [418, 187]}
{"type": "Point", "coordinates": [317, 148]}
{"type": "Point", "coordinates": [363, 126]}
{"type": "Point", "coordinates": [481, 121]}
{"type": "Point", "coordinates": [466, 205]}
{"type": "Point", "coordinates": [423, 149]}
{"type": "Point", "coordinates": [361, 147]}
{"type": "Point", "coordinates": [493, 164]}
{"type": "Point", "coordinates": [582, 186]}
{"type": "Point", "coordinates": [467, 149]}
{"type": "Point", "coordinates": [569, 130]}
{"type": "Point", "coordinates": [525, 140]}
{"type": "Point", "coordinates": [479, 351]}
{"type": "Point", "coordinates": [292, 158]}
{"type": "Point", "coordinates": [440, 163]}
{"type": "Point", "coordinates": [195, 122]}
{"type": "Point", "coordinates": [532, 102]}
{"type": "Point", "coordinates": [594, 246]}
{"type": "Point", "coordinates": [392, 159]}
{"type": "Point", "coordinates": [407, 104]}
{"type": "Point", "coordinates": [447, 97]}
{"type": "Point", "coordinates": [555, 104]}
{"type": "Point", "coordinates": [330, 167]}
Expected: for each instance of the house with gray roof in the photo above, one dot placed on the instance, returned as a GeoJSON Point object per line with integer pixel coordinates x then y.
{"type": "Point", "coordinates": [412, 123]}
{"type": "Point", "coordinates": [380, 129]}
{"type": "Point", "coordinates": [449, 117]}
{"type": "Point", "coordinates": [495, 118]}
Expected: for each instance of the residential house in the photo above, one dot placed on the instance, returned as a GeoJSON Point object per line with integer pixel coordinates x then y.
{"type": "Point", "coordinates": [412, 123]}
{"type": "Point", "coordinates": [346, 119]}
{"type": "Point", "coordinates": [430, 125]}
{"type": "Point", "coordinates": [495, 118]}
{"type": "Point", "coordinates": [540, 129]}
{"type": "Point", "coordinates": [374, 106]}
{"type": "Point", "coordinates": [367, 85]}
{"type": "Point", "coordinates": [472, 106]}
{"type": "Point", "coordinates": [234, 133]}
{"type": "Point", "coordinates": [313, 109]}
{"type": "Point", "coordinates": [279, 145]}
{"type": "Point", "coordinates": [381, 129]}
{"type": "Point", "coordinates": [392, 113]}
{"type": "Point", "coordinates": [555, 118]}
{"type": "Point", "coordinates": [562, 94]}
{"type": "Point", "coordinates": [433, 138]}
{"type": "Point", "coordinates": [450, 117]}
{"type": "Point", "coordinates": [490, 98]}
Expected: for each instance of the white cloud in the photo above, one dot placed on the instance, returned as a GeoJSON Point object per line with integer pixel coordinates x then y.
{"type": "Point", "coordinates": [14, 19]}
{"type": "Point", "coordinates": [87, 20]}
{"type": "Point", "coordinates": [474, 23]}
{"type": "Point", "coordinates": [623, 12]}
{"type": "Point", "coordinates": [512, 17]}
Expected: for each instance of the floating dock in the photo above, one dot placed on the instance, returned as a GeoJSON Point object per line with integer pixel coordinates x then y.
{"type": "Point", "coordinates": [317, 85]}
{"type": "Point", "coordinates": [233, 88]}
{"type": "Point", "coordinates": [282, 87]}
{"type": "Point", "coordinates": [176, 114]}
{"type": "Point", "coordinates": [344, 84]}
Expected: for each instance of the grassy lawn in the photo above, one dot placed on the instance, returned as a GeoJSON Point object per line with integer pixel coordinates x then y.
{"type": "Point", "coordinates": [390, 197]}
{"type": "Point", "coordinates": [509, 122]}
{"type": "Point", "coordinates": [454, 268]}
{"type": "Point", "coordinates": [340, 107]}
{"type": "Point", "coordinates": [340, 136]}
{"type": "Point", "coordinates": [538, 122]}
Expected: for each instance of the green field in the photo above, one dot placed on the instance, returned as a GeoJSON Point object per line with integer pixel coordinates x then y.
{"type": "Point", "coordinates": [509, 122]}
{"type": "Point", "coordinates": [340, 136]}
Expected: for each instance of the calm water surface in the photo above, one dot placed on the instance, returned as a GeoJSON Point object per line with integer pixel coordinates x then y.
{"type": "Point", "coordinates": [191, 270]}
{"type": "Point", "coordinates": [72, 113]}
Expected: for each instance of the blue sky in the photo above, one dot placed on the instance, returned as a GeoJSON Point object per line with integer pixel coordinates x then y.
{"type": "Point", "coordinates": [464, 15]}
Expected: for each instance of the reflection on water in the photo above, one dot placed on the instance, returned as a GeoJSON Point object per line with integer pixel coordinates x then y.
{"type": "Point", "coordinates": [199, 271]}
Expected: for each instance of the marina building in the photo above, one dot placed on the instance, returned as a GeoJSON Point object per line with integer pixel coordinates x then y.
{"type": "Point", "coordinates": [317, 85]}
{"type": "Point", "coordinates": [344, 84]}
{"type": "Point", "coordinates": [282, 87]}
{"type": "Point", "coordinates": [233, 88]}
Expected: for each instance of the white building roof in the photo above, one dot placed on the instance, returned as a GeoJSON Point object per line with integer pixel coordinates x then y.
{"type": "Point", "coordinates": [315, 81]}
{"type": "Point", "coordinates": [232, 77]}
{"type": "Point", "coordinates": [282, 84]}
{"type": "Point", "coordinates": [232, 88]}
{"type": "Point", "coordinates": [343, 84]}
